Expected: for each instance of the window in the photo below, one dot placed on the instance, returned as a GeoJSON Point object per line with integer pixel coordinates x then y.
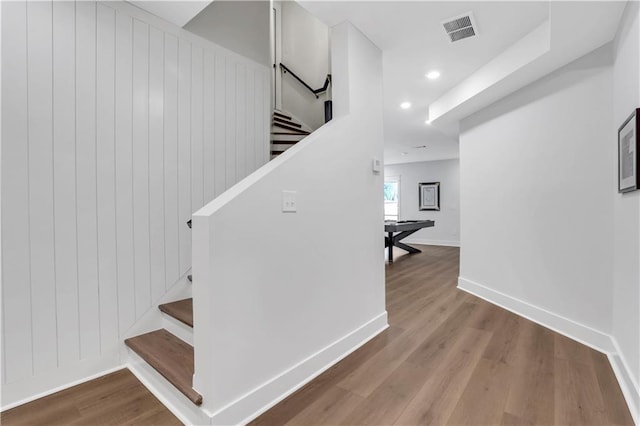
{"type": "Point", "coordinates": [392, 198]}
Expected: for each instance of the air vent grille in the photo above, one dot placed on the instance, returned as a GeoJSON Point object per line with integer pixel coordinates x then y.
{"type": "Point", "coordinates": [457, 24]}
{"type": "Point", "coordinates": [460, 27]}
{"type": "Point", "coordinates": [463, 33]}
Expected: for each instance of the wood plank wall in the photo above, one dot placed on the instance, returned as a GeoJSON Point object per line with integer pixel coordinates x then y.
{"type": "Point", "coordinates": [114, 130]}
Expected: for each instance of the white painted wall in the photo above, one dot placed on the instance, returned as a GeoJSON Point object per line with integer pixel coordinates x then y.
{"type": "Point", "coordinates": [305, 50]}
{"type": "Point", "coordinates": [447, 228]}
{"type": "Point", "coordinates": [535, 185]}
{"type": "Point", "coordinates": [240, 26]}
{"type": "Point", "coordinates": [116, 127]}
{"type": "Point", "coordinates": [626, 207]}
{"type": "Point", "coordinates": [277, 300]}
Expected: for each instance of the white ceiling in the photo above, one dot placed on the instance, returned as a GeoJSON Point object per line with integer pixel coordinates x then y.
{"type": "Point", "coordinates": [413, 42]}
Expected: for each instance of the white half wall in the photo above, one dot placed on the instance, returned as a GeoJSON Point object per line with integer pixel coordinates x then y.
{"type": "Point", "coordinates": [276, 301]}
{"type": "Point", "coordinates": [626, 210]}
{"type": "Point", "coordinates": [447, 228]}
{"type": "Point", "coordinates": [116, 126]}
{"type": "Point", "coordinates": [535, 183]}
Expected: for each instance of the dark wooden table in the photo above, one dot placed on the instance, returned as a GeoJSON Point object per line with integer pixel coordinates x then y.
{"type": "Point", "coordinates": [400, 230]}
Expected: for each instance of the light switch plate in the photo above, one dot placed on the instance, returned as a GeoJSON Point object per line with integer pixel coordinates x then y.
{"type": "Point", "coordinates": [376, 165]}
{"type": "Point", "coordinates": [289, 204]}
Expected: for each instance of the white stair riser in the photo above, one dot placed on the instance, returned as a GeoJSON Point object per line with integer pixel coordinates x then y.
{"type": "Point", "coordinates": [292, 138]}
{"type": "Point", "coordinates": [179, 329]}
{"type": "Point", "coordinates": [280, 147]}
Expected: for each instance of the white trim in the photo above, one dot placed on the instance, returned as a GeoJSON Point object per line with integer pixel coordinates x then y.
{"type": "Point", "coordinates": [565, 326]}
{"type": "Point", "coordinates": [62, 387]}
{"type": "Point", "coordinates": [628, 385]}
{"type": "Point", "coordinates": [276, 74]}
{"type": "Point", "coordinates": [445, 243]}
{"type": "Point", "coordinates": [265, 396]}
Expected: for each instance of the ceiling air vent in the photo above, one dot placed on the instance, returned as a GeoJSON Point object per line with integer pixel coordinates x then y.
{"type": "Point", "coordinates": [460, 27]}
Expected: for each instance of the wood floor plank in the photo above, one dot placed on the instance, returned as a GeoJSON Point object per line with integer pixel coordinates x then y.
{"type": "Point", "coordinates": [293, 405]}
{"type": "Point", "coordinates": [365, 378]}
{"type": "Point", "coordinates": [389, 399]}
{"type": "Point", "coordinates": [114, 399]}
{"type": "Point", "coordinates": [328, 409]}
{"type": "Point", "coordinates": [617, 411]}
{"type": "Point", "coordinates": [509, 419]}
{"type": "Point", "coordinates": [532, 389]}
{"type": "Point", "coordinates": [484, 398]}
{"type": "Point", "coordinates": [487, 317]}
{"type": "Point", "coordinates": [502, 346]}
{"type": "Point", "coordinates": [569, 349]}
{"type": "Point", "coordinates": [433, 350]}
{"type": "Point", "coordinates": [578, 400]}
{"type": "Point", "coordinates": [438, 397]}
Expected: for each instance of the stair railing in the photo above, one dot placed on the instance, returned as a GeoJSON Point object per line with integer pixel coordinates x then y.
{"type": "Point", "coordinates": [328, 105]}
{"type": "Point", "coordinates": [316, 92]}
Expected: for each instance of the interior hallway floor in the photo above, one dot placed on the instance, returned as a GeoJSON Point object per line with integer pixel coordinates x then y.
{"type": "Point", "coordinates": [451, 358]}
{"type": "Point", "coordinates": [447, 358]}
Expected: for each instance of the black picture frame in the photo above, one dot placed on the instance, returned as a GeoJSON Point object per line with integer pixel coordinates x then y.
{"type": "Point", "coordinates": [628, 147]}
{"type": "Point", "coordinates": [429, 196]}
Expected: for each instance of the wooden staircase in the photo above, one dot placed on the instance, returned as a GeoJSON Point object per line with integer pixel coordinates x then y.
{"type": "Point", "coordinates": [286, 131]}
{"type": "Point", "coordinates": [167, 353]}
{"type": "Point", "coordinates": [169, 350]}
{"type": "Point", "coordinates": [169, 356]}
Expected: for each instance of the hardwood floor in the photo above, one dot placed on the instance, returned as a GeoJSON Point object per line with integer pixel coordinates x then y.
{"type": "Point", "coordinates": [447, 358]}
{"type": "Point", "coordinates": [115, 399]}
{"type": "Point", "coordinates": [451, 358]}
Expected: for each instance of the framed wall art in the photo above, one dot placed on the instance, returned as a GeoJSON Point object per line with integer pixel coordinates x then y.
{"type": "Point", "coordinates": [429, 196]}
{"type": "Point", "coordinates": [628, 177]}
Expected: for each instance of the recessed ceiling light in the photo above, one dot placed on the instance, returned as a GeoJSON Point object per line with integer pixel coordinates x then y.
{"type": "Point", "coordinates": [432, 75]}
{"type": "Point", "coordinates": [405, 105]}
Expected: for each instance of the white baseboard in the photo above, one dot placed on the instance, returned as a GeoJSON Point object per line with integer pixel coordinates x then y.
{"type": "Point", "coordinates": [628, 384]}
{"type": "Point", "coordinates": [259, 400]}
{"type": "Point", "coordinates": [565, 326]}
{"type": "Point", "coordinates": [24, 391]}
{"type": "Point", "coordinates": [446, 243]}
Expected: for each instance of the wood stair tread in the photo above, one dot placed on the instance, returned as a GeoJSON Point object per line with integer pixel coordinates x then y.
{"type": "Point", "coordinates": [182, 310]}
{"type": "Point", "coordinates": [169, 356]}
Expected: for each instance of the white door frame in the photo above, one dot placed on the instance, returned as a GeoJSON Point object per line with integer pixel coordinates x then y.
{"type": "Point", "coordinates": [276, 53]}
